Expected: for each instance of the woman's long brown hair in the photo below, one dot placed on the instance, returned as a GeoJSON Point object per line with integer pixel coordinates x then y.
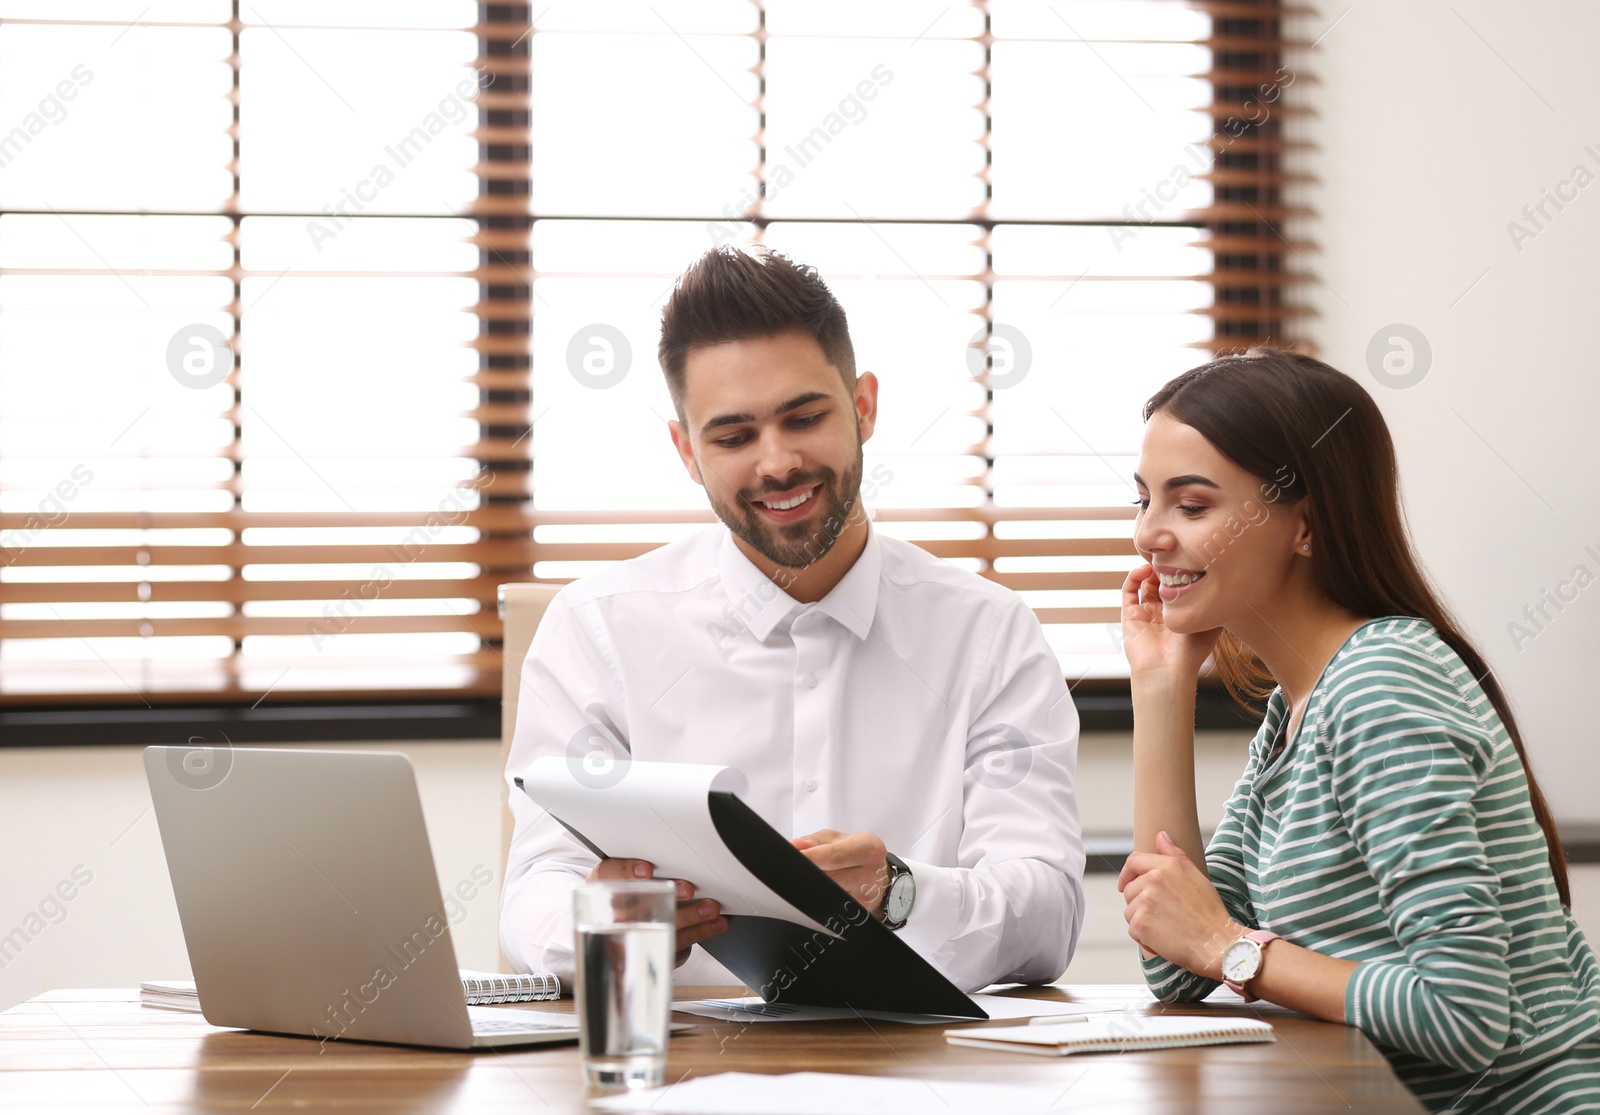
{"type": "Point", "coordinates": [1311, 430]}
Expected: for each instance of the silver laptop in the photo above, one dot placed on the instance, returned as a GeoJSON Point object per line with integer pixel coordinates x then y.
{"type": "Point", "coordinates": [309, 901]}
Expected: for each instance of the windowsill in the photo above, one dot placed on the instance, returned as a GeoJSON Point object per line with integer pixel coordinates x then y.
{"type": "Point", "coordinates": [236, 724]}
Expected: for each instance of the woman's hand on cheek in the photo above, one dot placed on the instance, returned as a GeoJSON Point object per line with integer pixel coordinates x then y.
{"type": "Point", "coordinates": [1173, 910]}
{"type": "Point", "coordinates": [1153, 650]}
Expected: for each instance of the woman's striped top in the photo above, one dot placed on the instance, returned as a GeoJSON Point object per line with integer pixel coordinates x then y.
{"type": "Point", "coordinates": [1395, 830]}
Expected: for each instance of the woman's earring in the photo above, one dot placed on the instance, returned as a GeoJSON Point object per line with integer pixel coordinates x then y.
{"type": "Point", "coordinates": [1307, 546]}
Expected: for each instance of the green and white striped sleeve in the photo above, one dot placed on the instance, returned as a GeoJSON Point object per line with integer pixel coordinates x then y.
{"type": "Point", "coordinates": [1408, 755]}
{"type": "Point", "coordinates": [1173, 983]}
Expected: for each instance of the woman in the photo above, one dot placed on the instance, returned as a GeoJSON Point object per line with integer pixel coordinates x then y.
{"type": "Point", "coordinates": [1387, 848]}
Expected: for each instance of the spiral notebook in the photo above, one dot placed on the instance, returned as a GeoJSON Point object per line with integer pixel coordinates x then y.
{"type": "Point", "coordinates": [1116, 1033]}
{"type": "Point", "coordinates": [495, 987]}
{"type": "Point", "coordinates": [482, 989]}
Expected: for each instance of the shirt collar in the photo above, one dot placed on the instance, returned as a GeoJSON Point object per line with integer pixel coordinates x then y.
{"type": "Point", "coordinates": [761, 605]}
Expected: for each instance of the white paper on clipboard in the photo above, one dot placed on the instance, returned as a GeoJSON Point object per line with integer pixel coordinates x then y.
{"type": "Point", "coordinates": [661, 812]}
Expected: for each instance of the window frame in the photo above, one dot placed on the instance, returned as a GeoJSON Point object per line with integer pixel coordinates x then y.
{"type": "Point", "coordinates": [1248, 227]}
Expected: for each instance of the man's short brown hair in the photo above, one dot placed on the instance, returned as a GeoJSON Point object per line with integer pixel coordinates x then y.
{"type": "Point", "coordinates": [736, 293]}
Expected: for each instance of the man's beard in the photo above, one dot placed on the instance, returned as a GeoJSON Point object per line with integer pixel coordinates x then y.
{"type": "Point", "coordinates": [801, 543]}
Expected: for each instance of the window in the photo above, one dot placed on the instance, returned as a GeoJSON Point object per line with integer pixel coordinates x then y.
{"type": "Point", "coordinates": [320, 320]}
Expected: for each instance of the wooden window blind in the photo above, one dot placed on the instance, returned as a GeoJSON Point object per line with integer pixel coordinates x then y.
{"type": "Point", "coordinates": [320, 320]}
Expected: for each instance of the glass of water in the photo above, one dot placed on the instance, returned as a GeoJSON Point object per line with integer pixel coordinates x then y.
{"type": "Point", "coordinates": [625, 933]}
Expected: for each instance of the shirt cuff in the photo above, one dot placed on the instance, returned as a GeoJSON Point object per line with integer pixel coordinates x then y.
{"type": "Point", "coordinates": [936, 915]}
{"type": "Point", "coordinates": [1155, 965]}
{"type": "Point", "coordinates": [1171, 982]}
{"type": "Point", "coordinates": [1358, 991]}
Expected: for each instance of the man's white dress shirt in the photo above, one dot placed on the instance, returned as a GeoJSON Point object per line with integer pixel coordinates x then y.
{"type": "Point", "coordinates": [916, 700]}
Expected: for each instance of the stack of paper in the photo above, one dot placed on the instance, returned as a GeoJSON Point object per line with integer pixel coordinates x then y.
{"type": "Point", "coordinates": [175, 994]}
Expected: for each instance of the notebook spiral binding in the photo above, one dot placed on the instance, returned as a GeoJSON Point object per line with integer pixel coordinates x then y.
{"type": "Point", "coordinates": [512, 989]}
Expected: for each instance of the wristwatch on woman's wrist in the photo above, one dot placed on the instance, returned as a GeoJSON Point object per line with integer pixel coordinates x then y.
{"type": "Point", "coordinates": [1241, 961]}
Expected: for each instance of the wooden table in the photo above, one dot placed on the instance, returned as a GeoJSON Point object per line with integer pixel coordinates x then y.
{"type": "Point", "coordinates": [98, 1051]}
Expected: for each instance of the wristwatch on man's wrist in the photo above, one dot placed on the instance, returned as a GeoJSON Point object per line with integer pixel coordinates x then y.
{"type": "Point", "coordinates": [902, 893]}
{"type": "Point", "coordinates": [1241, 961]}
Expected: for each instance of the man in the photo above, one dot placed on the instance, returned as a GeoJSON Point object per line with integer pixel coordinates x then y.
{"type": "Point", "coordinates": [903, 720]}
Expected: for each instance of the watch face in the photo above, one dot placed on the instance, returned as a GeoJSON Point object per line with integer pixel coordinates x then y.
{"type": "Point", "coordinates": [901, 893]}
{"type": "Point", "coordinates": [1241, 960]}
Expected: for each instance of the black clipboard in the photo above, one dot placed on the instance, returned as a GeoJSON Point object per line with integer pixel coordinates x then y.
{"type": "Point", "coordinates": [866, 967]}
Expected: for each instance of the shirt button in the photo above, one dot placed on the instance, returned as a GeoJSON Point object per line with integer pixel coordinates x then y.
{"type": "Point", "coordinates": [811, 785]}
{"type": "Point", "coordinates": [811, 681]}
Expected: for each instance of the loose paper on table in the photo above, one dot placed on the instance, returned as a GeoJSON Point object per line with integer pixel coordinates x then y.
{"type": "Point", "coordinates": [826, 1093]}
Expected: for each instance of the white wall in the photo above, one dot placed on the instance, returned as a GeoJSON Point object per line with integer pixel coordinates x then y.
{"type": "Point", "coordinates": [89, 806]}
{"type": "Point", "coordinates": [69, 806]}
{"type": "Point", "coordinates": [1436, 123]}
